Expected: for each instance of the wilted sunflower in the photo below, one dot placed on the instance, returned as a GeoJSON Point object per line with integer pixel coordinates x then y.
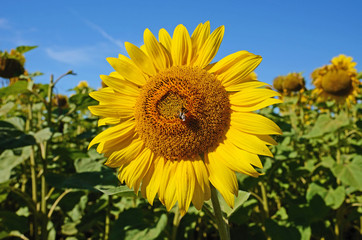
{"type": "Point", "coordinates": [60, 101]}
{"type": "Point", "coordinates": [181, 122]}
{"type": "Point", "coordinates": [293, 82]}
{"type": "Point", "coordinates": [278, 83]}
{"type": "Point", "coordinates": [337, 81]}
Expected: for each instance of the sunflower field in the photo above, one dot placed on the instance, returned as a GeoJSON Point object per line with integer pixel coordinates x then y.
{"type": "Point", "coordinates": [52, 186]}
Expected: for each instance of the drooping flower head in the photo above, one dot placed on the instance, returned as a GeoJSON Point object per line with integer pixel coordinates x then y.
{"type": "Point", "coordinates": [60, 101]}
{"type": "Point", "coordinates": [181, 123]}
{"type": "Point", "coordinates": [278, 83]}
{"type": "Point", "coordinates": [337, 81]}
{"type": "Point", "coordinates": [292, 82]}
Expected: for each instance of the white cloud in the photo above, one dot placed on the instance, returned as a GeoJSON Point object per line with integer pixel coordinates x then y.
{"type": "Point", "coordinates": [76, 57]}
{"type": "Point", "coordinates": [4, 24]}
{"type": "Point", "coordinates": [99, 29]}
{"type": "Point", "coordinates": [104, 34]}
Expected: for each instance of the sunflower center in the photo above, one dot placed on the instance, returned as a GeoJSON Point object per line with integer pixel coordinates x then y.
{"type": "Point", "coordinates": [181, 112]}
{"type": "Point", "coordinates": [337, 82]}
{"type": "Point", "coordinates": [171, 105]}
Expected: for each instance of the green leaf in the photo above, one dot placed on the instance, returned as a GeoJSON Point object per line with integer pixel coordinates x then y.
{"type": "Point", "coordinates": [239, 201]}
{"type": "Point", "coordinates": [85, 180]}
{"type": "Point", "coordinates": [332, 197]}
{"type": "Point", "coordinates": [70, 228]}
{"type": "Point", "coordinates": [11, 137]}
{"type": "Point", "coordinates": [325, 124]}
{"type": "Point", "coordinates": [14, 89]}
{"type": "Point", "coordinates": [305, 232]}
{"type": "Point", "coordinates": [8, 161]}
{"type": "Point", "coordinates": [136, 227]}
{"type": "Point", "coordinates": [87, 165]}
{"type": "Point", "coordinates": [43, 135]}
{"type": "Point", "coordinates": [328, 162]}
{"type": "Point", "coordinates": [278, 231]}
{"type": "Point", "coordinates": [24, 49]}
{"type": "Point", "coordinates": [153, 233]}
{"type": "Point", "coordinates": [6, 108]}
{"type": "Point", "coordinates": [9, 221]}
{"type": "Point", "coordinates": [17, 122]}
{"type": "Point", "coordinates": [123, 191]}
{"type": "Point", "coordinates": [350, 173]}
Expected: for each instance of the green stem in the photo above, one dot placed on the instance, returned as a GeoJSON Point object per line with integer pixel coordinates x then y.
{"type": "Point", "coordinates": [108, 220]}
{"type": "Point", "coordinates": [44, 155]}
{"type": "Point", "coordinates": [222, 225]}
{"type": "Point", "coordinates": [176, 222]}
{"type": "Point", "coordinates": [44, 231]}
{"type": "Point", "coordinates": [265, 200]}
{"type": "Point", "coordinates": [55, 204]}
{"type": "Point", "coordinates": [34, 191]}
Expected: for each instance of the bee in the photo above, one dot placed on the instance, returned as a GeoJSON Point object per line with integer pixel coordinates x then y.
{"type": "Point", "coordinates": [183, 114]}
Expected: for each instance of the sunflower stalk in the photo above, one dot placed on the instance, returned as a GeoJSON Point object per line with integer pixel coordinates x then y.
{"type": "Point", "coordinates": [176, 222]}
{"type": "Point", "coordinates": [108, 218]}
{"type": "Point", "coordinates": [220, 221]}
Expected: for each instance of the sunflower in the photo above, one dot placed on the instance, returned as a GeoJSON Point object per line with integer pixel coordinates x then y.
{"type": "Point", "coordinates": [278, 83]}
{"type": "Point", "coordinates": [293, 82]}
{"type": "Point", "coordinates": [337, 81]}
{"type": "Point", "coordinates": [181, 123]}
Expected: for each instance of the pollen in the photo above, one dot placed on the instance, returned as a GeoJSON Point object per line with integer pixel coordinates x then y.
{"type": "Point", "coordinates": [181, 112]}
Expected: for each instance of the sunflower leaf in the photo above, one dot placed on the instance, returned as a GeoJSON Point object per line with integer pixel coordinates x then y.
{"type": "Point", "coordinates": [239, 201]}
{"type": "Point", "coordinates": [350, 173]}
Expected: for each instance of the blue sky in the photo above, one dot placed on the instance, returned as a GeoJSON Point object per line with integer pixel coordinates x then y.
{"type": "Point", "coordinates": [291, 36]}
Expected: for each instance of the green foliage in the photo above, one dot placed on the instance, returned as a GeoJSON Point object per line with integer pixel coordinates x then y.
{"type": "Point", "coordinates": [53, 187]}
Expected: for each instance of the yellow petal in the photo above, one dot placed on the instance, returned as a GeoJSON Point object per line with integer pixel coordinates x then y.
{"type": "Point", "coordinates": [155, 50]}
{"type": "Point", "coordinates": [200, 35]}
{"type": "Point", "coordinates": [254, 123]}
{"type": "Point", "coordinates": [165, 39]}
{"type": "Point", "coordinates": [105, 98]}
{"type": "Point", "coordinates": [127, 70]}
{"type": "Point", "coordinates": [254, 107]}
{"type": "Point", "coordinates": [129, 150]}
{"type": "Point", "coordinates": [228, 61]}
{"type": "Point", "coordinates": [167, 191]}
{"type": "Point", "coordinates": [121, 85]}
{"type": "Point", "coordinates": [210, 47]}
{"type": "Point", "coordinates": [115, 111]}
{"type": "Point", "coordinates": [108, 121]}
{"type": "Point", "coordinates": [237, 159]}
{"type": "Point", "coordinates": [185, 184]}
{"type": "Point", "coordinates": [251, 96]}
{"type": "Point", "coordinates": [133, 172]}
{"type": "Point", "coordinates": [114, 132]}
{"type": "Point", "coordinates": [152, 180]}
{"type": "Point", "coordinates": [268, 140]}
{"type": "Point", "coordinates": [202, 187]}
{"type": "Point", "coordinates": [240, 70]}
{"type": "Point", "coordinates": [222, 178]}
{"type": "Point", "coordinates": [142, 61]}
{"type": "Point", "coordinates": [241, 85]}
{"type": "Point", "coordinates": [116, 144]}
{"type": "Point", "coordinates": [199, 197]}
{"type": "Point", "coordinates": [247, 142]}
{"type": "Point", "coordinates": [181, 46]}
{"type": "Point", "coordinates": [198, 38]}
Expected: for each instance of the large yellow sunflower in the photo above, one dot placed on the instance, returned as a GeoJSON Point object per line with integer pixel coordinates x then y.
{"type": "Point", "coordinates": [180, 122]}
{"type": "Point", "coordinates": [337, 81]}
